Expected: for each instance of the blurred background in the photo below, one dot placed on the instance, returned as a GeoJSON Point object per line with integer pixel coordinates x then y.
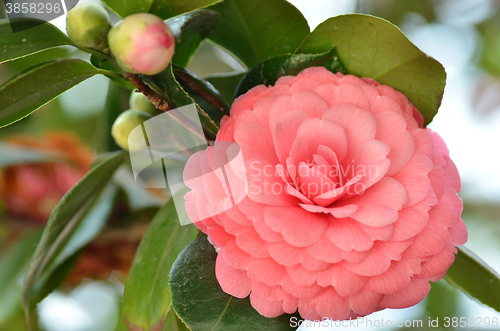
{"type": "Point", "coordinates": [57, 143]}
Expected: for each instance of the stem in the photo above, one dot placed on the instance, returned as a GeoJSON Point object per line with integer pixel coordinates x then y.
{"type": "Point", "coordinates": [163, 105]}
{"type": "Point", "coordinates": [158, 101]}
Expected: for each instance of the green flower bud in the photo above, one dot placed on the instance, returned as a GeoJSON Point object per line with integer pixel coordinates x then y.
{"type": "Point", "coordinates": [142, 44]}
{"type": "Point", "coordinates": [140, 102]}
{"type": "Point", "coordinates": [87, 25]}
{"type": "Point", "coordinates": [125, 123]}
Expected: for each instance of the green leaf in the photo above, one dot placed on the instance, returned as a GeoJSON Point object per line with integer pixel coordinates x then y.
{"type": "Point", "coordinates": [10, 155]}
{"type": "Point", "coordinates": [90, 226]}
{"type": "Point", "coordinates": [269, 71]}
{"type": "Point", "coordinates": [137, 196]}
{"type": "Point", "coordinates": [65, 219]}
{"type": "Point", "coordinates": [33, 88]}
{"type": "Point", "coordinates": [125, 8]}
{"type": "Point", "coordinates": [200, 302]}
{"type": "Point", "coordinates": [117, 101]}
{"type": "Point", "coordinates": [13, 264]}
{"type": "Point", "coordinates": [168, 87]}
{"type": "Point", "coordinates": [257, 30]}
{"type": "Point", "coordinates": [27, 42]}
{"type": "Point", "coordinates": [147, 297]}
{"type": "Point", "coordinates": [203, 93]}
{"type": "Point", "coordinates": [475, 278]}
{"type": "Point", "coordinates": [163, 8]}
{"type": "Point", "coordinates": [226, 85]}
{"type": "Point", "coordinates": [371, 47]}
{"type": "Point", "coordinates": [189, 30]}
{"type": "Point", "coordinates": [170, 8]}
{"type": "Point", "coordinates": [173, 323]}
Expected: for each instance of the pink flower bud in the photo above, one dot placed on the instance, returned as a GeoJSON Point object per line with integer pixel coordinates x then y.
{"type": "Point", "coordinates": [142, 44]}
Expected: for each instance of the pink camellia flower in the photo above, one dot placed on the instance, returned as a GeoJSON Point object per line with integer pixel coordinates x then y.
{"type": "Point", "coordinates": [32, 190]}
{"type": "Point", "coordinates": [142, 43]}
{"type": "Point", "coordinates": [350, 206]}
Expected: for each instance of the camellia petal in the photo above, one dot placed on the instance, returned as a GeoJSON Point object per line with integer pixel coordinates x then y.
{"type": "Point", "coordinates": [352, 204]}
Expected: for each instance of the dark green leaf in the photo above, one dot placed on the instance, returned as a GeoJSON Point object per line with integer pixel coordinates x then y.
{"type": "Point", "coordinates": [168, 87]}
{"type": "Point", "coordinates": [475, 278]}
{"type": "Point", "coordinates": [10, 155]}
{"type": "Point", "coordinates": [117, 101]}
{"type": "Point", "coordinates": [269, 71]}
{"type": "Point", "coordinates": [258, 30]}
{"type": "Point", "coordinates": [125, 8]}
{"type": "Point", "coordinates": [200, 302]}
{"type": "Point", "coordinates": [26, 42]}
{"type": "Point", "coordinates": [90, 226]}
{"type": "Point", "coordinates": [170, 8]}
{"type": "Point", "coordinates": [56, 278]}
{"type": "Point", "coordinates": [371, 47]}
{"type": "Point", "coordinates": [107, 64]}
{"type": "Point", "coordinates": [33, 88]}
{"type": "Point", "coordinates": [147, 297]}
{"type": "Point", "coordinates": [65, 219]}
{"type": "Point", "coordinates": [13, 264]}
{"type": "Point", "coordinates": [189, 30]}
{"type": "Point", "coordinates": [226, 85]}
{"type": "Point", "coordinates": [203, 93]}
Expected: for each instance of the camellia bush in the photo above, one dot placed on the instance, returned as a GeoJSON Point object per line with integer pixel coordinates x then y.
{"type": "Point", "coordinates": [334, 200]}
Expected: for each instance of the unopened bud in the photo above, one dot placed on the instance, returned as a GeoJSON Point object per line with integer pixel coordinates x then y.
{"type": "Point", "coordinates": [142, 43]}
{"type": "Point", "coordinates": [140, 102]}
{"type": "Point", "coordinates": [88, 25]}
{"type": "Point", "coordinates": [125, 123]}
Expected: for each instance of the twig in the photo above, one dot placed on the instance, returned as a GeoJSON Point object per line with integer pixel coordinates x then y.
{"type": "Point", "coordinates": [158, 101]}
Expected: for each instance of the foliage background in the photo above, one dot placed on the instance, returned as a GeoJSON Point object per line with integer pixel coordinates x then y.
{"type": "Point", "coordinates": [464, 35]}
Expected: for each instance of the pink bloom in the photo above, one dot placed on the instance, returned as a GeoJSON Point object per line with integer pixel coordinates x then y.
{"type": "Point", "coordinates": [351, 205]}
{"type": "Point", "coordinates": [142, 43]}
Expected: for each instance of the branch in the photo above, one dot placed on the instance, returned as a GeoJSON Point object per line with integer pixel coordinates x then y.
{"type": "Point", "coordinates": [158, 101]}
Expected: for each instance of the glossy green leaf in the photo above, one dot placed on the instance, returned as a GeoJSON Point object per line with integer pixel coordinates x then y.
{"type": "Point", "coordinates": [125, 8]}
{"type": "Point", "coordinates": [167, 86]}
{"type": "Point", "coordinates": [27, 42]}
{"type": "Point", "coordinates": [90, 226]}
{"type": "Point", "coordinates": [163, 8]}
{"type": "Point", "coordinates": [475, 278]}
{"type": "Point", "coordinates": [269, 71]}
{"type": "Point", "coordinates": [257, 30]}
{"type": "Point", "coordinates": [88, 229]}
{"type": "Point", "coordinates": [33, 88]}
{"type": "Point", "coordinates": [200, 302]}
{"type": "Point", "coordinates": [209, 99]}
{"type": "Point", "coordinates": [226, 85]}
{"type": "Point", "coordinates": [10, 155]}
{"type": "Point", "coordinates": [13, 264]}
{"type": "Point", "coordinates": [189, 30]}
{"type": "Point", "coordinates": [371, 47]}
{"type": "Point", "coordinates": [147, 298]}
{"type": "Point", "coordinates": [65, 219]}
{"type": "Point", "coordinates": [170, 8]}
